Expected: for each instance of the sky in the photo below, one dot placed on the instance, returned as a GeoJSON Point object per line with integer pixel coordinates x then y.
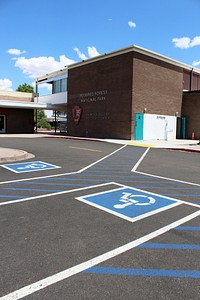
{"type": "Point", "coordinates": [42, 36]}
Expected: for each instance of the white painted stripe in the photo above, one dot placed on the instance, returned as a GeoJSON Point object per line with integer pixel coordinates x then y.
{"type": "Point", "coordinates": [134, 169]}
{"type": "Point", "coordinates": [50, 167]}
{"type": "Point", "coordinates": [166, 178]}
{"type": "Point", "coordinates": [57, 193]}
{"type": "Point", "coordinates": [41, 284]}
{"type": "Point", "coordinates": [158, 195]}
{"type": "Point", "coordinates": [98, 161]}
{"type": "Point", "coordinates": [134, 219]}
{"type": "Point", "coordinates": [63, 174]}
{"type": "Point", "coordinates": [140, 160]}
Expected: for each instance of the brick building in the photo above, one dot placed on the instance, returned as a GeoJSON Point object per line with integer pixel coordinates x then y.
{"type": "Point", "coordinates": [115, 95]}
{"type": "Point", "coordinates": [112, 89]}
{"type": "Point", "coordinates": [109, 91]}
{"type": "Point", "coordinates": [191, 111]}
{"type": "Point", "coordinates": [16, 112]}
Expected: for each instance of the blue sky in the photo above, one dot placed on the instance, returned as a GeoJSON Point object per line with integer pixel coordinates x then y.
{"type": "Point", "coordinates": [42, 36]}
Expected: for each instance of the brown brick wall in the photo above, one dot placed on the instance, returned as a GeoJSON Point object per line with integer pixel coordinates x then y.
{"type": "Point", "coordinates": [191, 110]}
{"type": "Point", "coordinates": [102, 90]}
{"type": "Point", "coordinates": [19, 120]}
{"type": "Point", "coordinates": [157, 86]}
{"type": "Point", "coordinates": [112, 90]}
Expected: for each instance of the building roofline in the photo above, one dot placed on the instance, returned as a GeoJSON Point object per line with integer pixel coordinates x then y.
{"type": "Point", "coordinates": [18, 104]}
{"type": "Point", "coordinates": [137, 49]}
{"type": "Point", "coordinates": [30, 105]}
{"type": "Point", "coordinates": [53, 74]}
{"type": "Point", "coordinates": [132, 48]}
{"type": "Point", "coordinates": [5, 93]}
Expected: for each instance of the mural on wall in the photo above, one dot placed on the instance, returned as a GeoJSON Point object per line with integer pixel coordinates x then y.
{"type": "Point", "coordinates": [76, 114]}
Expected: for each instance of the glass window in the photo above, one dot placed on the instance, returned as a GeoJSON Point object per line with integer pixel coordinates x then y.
{"type": "Point", "coordinates": [60, 86]}
{"type": "Point", "coordinates": [56, 86]}
{"type": "Point", "coordinates": [63, 85]}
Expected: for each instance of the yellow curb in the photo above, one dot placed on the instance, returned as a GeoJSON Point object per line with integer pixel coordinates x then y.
{"type": "Point", "coordinates": [140, 145]}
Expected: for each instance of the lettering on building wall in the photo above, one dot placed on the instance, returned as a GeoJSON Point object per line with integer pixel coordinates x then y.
{"type": "Point", "coordinates": [97, 116]}
{"type": "Point", "coordinates": [94, 96]}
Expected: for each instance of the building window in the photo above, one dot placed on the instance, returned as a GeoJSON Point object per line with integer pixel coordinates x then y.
{"type": "Point", "coordinates": [60, 86]}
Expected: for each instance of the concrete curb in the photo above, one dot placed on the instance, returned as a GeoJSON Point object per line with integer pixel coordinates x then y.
{"type": "Point", "coordinates": [184, 149]}
{"type": "Point", "coordinates": [72, 138]}
{"type": "Point", "coordinates": [129, 143]}
{"type": "Point", "coordinates": [12, 155]}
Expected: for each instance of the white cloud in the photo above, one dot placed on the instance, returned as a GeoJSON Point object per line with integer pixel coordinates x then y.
{"type": "Point", "coordinates": [186, 42]}
{"type": "Point", "coordinates": [195, 41]}
{"type": "Point", "coordinates": [38, 66]}
{"type": "Point", "coordinates": [131, 24]}
{"type": "Point", "coordinates": [92, 52]}
{"type": "Point", "coordinates": [182, 43]}
{"type": "Point", "coordinates": [15, 51]}
{"type": "Point", "coordinates": [196, 63]}
{"type": "Point", "coordinates": [80, 54]}
{"type": "Point", "coordinates": [6, 84]}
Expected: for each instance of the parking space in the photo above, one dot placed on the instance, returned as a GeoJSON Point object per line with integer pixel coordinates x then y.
{"type": "Point", "coordinates": [70, 155]}
{"type": "Point", "coordinates": [101, 230]}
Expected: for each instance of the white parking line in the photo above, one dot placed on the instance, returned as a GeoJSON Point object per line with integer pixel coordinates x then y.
{"type": "Point", "coordinates": [57, 193]}
{"type": "Point", "coordinates": [64, 174]}
{"type": "Point", "coordinates": [134, 170]}
{"type": "Point", "coordinates": [167, 178]}
{"type": "Point", "coordinates": [41, 284]}
{"type": "Point", "coordinates": [140, 160]}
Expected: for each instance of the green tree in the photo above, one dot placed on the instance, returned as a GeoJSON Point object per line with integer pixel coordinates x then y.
{"type": "Point", "coordinates": [26, 88]}
{"type": "Point", "coordinates": [41, 119]}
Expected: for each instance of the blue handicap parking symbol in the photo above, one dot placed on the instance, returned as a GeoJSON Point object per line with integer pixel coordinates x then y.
{"type": "Point", "coordinates": [130, 203]}
{"type": "Point", "coordinates": [29, 166]}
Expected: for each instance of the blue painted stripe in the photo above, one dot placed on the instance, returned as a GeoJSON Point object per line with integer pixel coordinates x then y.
{"type": "Point", "coordinates": [169, 188]}
{"type": "Point", "coordinates": [95, 173]}
{"type": "Point", "coordinates": [170, 246]}
{"type": "Point", "coordinates": [182, 195]}
{"type": "Point", "coordinates": [187, 228]}
{"type": "Point", "coordinates": [102, 168]}
{"type": "Point", "coordinates": [66, 179]}
{"type": "Point", "coordinates": [144, 272]}
{"type": "Point", "coordinates": [27, 189]}
{"type": "Point", "coordinates": [103, 180]}
{"type": "Point", "coordinates": [11, 197]}
{"type": "Point", "coordinates": [114, 176]}
{"type": "Point", "coordinates": [46, 183]}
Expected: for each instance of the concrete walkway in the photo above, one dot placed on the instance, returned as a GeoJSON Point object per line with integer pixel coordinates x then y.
{"type": "Point", "coordinates": [12, 155]}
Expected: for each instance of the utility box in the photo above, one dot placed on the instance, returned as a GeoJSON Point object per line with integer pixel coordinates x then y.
{"type": "Point", "coordinates": [155, 127]}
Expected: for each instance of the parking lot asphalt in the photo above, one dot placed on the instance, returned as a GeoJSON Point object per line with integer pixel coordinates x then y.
{"type": "Point", "coordinates": [97, 220]}
{"type": "Point", "coordinates": [12, 154]}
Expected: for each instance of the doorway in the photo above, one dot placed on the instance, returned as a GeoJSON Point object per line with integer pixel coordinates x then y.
{"type": "Point", "coordinates": [2, 123]}
{"type": "Point", "coordinates": [139, 120]}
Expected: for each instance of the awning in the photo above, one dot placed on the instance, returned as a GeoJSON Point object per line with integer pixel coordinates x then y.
{"type": "Point", "coordinates": [30, 105]}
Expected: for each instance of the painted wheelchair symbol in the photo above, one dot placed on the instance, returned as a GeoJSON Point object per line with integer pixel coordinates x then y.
{"type": "Point", "coordinates": [33, 166]}
{"type": "Point", "coordinates": [129, 199]}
